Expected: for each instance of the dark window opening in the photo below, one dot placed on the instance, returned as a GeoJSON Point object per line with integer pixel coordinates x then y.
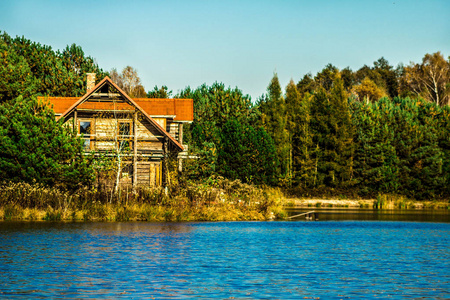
{"type": "Point", "coordinates": [85, 127]}
{"type": "Point", "coordinates": [125, 136]}
{"type": "Point", "coordinates": [124, 128]}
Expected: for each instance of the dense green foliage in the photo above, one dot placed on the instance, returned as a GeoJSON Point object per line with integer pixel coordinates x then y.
{"type": "Point", "coordinates": [29, 68]}
{"type": "Point", "coordinates": [224, 139]}
{"type": "Point", "coordinates": [246, 154]}
{"type": "Point", "coordinates": [339, 132]}
{"type": "Point", "coordinates": [34, 147]}
{"type": "Point", "coordinates": [402, 147]}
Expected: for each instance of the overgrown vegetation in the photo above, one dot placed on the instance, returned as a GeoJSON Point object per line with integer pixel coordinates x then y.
{"type": "Point", "coordinates": [217, 200]}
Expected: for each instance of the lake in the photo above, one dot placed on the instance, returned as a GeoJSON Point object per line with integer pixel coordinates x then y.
{"type": "Point", "coordinates": [246, 260]}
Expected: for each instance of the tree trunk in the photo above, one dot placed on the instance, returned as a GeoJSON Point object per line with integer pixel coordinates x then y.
{"type": "Point", "coordinates": [119, 169]}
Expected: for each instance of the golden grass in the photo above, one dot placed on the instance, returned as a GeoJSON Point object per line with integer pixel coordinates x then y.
{"type": "Point", "coordinates": [221, 200]}
{"type": "Point", "coordinates": [388, 201]}
{"type": "Point", "coordinates": [382, 201]}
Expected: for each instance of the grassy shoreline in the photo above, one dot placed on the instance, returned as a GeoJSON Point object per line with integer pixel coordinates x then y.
{"type": "Point", "coordinates": [381, 202]}
{"type": "Point", "coordinates": [135, 212]}
{"type": "Point", "coordinates": [219, 200]}
{"type": "Point", "coordinates": [223, 200]}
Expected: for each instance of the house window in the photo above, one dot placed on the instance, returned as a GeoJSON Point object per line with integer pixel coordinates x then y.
{"type": "Point", "coordinates": [125, 135]}
{"type": "Point", "coordinates": [84, 129]}
{"type": "Point", "coordinates": [124, 128]}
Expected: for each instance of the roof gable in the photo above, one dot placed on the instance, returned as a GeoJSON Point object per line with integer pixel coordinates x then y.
{"type": "Point", "coordinates": [103, 88]}
{"type": "Point", "coordinates": [181, 109]}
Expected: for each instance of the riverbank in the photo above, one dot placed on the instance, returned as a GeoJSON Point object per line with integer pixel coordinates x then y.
{"type": "Point", "coordinates": [137, 212]}
{"type": "Point", "coordinates": [218, 200]}
{"type": "Point", "coordinates": [381, 202]}
{"type": "Point", "coordinates": [223, 200]}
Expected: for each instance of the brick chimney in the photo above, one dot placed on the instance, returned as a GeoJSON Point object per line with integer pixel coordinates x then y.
{"type": "Point", "coordinates": [90, 77]}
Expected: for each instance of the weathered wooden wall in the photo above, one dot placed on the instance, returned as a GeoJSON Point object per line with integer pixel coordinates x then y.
{"type": "Point", "coordinates": [104, 131]}
{"type": "Point", "coordinates": [173, 129]}
{"type": "Point", "coordinates": [149, 173]}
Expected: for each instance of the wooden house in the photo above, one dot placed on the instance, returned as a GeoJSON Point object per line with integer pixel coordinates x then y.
{"type": "Point", "coordinates": [139, 133]}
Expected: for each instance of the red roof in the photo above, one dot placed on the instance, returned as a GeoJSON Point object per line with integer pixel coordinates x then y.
{"type": "Point", "coordinates": [182, 109]}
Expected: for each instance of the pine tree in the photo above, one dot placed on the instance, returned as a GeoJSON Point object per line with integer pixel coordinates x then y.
{"type": "Point", "coordinates": [344, 132]}
{"type": "Point", "coordinates": [34, 147]}
{"type": "Point", "coordinates": [332, 137]}
{"type": "Point", "coordinates": [292, 111]}
{"type": "Point", "coordinates": [376, 162]}
{"type": "Point", "coordinates": [273, 114]}
{"type": "Point", "coordinates": [246, 154]}
{"type": "Point", "coordinates": [303, 148]}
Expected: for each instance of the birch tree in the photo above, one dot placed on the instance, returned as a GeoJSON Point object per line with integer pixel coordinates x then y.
{"type": "Point", "coordinates": [430, 79]}
{"type": "Point", "coordinates": [129, 81]}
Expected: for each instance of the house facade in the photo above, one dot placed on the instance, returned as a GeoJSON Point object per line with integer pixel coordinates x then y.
{"type": "Point", "coordinates": [139, 134]}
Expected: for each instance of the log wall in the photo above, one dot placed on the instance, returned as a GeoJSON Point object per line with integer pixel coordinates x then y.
{"type": "Point", "coordinates": [149, 171]}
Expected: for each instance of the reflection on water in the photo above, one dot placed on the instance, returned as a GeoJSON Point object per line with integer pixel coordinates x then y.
{"type": "Point", "coordinates": [337, 214]}
{"type": "Point", "coordinates": [245, 260]}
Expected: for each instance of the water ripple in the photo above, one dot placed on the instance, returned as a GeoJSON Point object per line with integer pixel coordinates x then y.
{"type": "Point", "coordinates": [245, 260]}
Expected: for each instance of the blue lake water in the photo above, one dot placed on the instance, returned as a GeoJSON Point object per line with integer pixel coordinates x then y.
{"type": "Point", "coordinates": [244, 260]}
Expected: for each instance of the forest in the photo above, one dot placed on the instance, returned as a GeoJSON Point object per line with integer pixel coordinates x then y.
{"type": "Point", "coordinates": [379, 129]}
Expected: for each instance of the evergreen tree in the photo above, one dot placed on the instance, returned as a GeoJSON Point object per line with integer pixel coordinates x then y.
{"type": "Point", "coordinates": [34, 147]}
{"type": "Point", "coordinates": [343, 133]}
{"type": "Point", "coordinates": [246, 154]}
{"type": "Point", "coordinates": [214, 106]}
{"type": "Point", "coordinates": [162, 92]}
{"type": "Point", "coordinates": [420, 159]}
{"type": "Point", "coordinates": [321, 132]}
{"type": "Point", "coordinates": [292, 111]}
{"type": "Point", "coordinates": [233, 159]}
{"type": "Point", "coordinates": [306, 85]}
{"type": "Point", "coordinates": [376, 161]}
{"type": "Point", "coordinates": [398, 149]}
{"type": "Point", "coordinates": [46, 72]}
{"type": "Point", "coordinates": [443, 131]}
{"type": "Point", "coordinates": [15, 74]}
{"type": "Point", "coordinates": [333, 137]}
{"type": "Point", "coordinates": [388, 75]}
{"type": "Point", "coordinates": [273, 115]}
{"type": "Point", "coordinates": [348, 77]}
{"type": "Point", "coordinates": [264, 157]}
{"type": "Point", "coordinates": [325, 78]}
{"type": "Point", "coordinates": [302, 145]}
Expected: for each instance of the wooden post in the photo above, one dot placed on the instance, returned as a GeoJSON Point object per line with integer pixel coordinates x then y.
{"type": "Point", "coordinates": [180, 165]}
{"type": "Point", "coordinates": [135, 146]}
{"type": "Point", "coordinates": [75, 128]}
{"type": "Point", "coordinates": [180, 140]}
{"type": "Point", "coordinates": [165, 175]}
{"type": "Point", "coordinates": [180, 133]}
{"type": "Point", "coordinates": [164, 163]}
{"type": "Point", "coordinates": [75, 122]}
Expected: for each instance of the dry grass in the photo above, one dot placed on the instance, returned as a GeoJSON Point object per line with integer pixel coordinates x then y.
{"type": "Point", "coordinates": [217, 200]}
{"type": "Point", "coordinates": [383, 201]}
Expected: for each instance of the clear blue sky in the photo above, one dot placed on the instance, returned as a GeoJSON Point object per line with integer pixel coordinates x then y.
{"type": "Point", "coordinates": [239, 43]}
